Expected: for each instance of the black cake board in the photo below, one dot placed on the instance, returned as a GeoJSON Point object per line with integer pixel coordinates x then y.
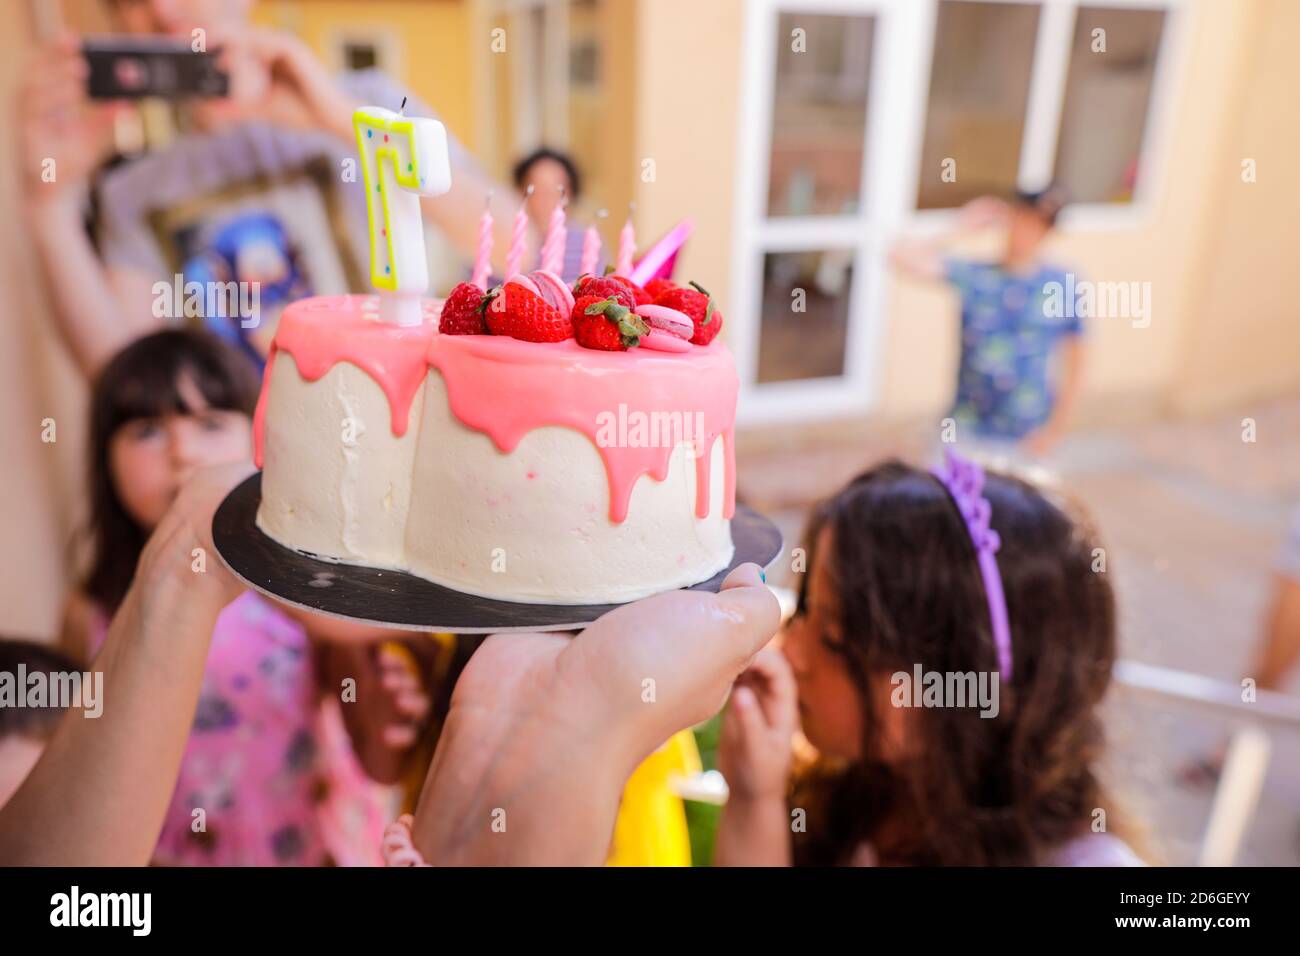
{"type": "Point", "coordinates": [403, 601]}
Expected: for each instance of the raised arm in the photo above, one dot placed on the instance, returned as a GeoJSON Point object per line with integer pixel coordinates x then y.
{"type": "Point", "coordinates": [99, 792]}
{"type": "Point", "coordinates": [755, 754]}
{"type": "Point", "coordinates": [922, 257]}
{"type": "Point", "coordinates": [457, 212]}
{"type": "Point", "coordinates": [64, 137]}
{"type": "Point", "coordinates": [277, 77]}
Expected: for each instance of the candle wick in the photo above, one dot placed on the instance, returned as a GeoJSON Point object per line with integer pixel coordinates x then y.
{"type": "Point", "coordinates": [402, 108]}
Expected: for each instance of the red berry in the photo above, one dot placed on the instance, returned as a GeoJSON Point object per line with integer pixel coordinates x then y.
{"type": "Point", "coordinates": [605, 287]}
{"type": "Point", "coordinates": [522, 314]}
{"type": "Point", "coordinates": [606, 324]}
{"type": "Point", "coordinates": [657, 287]}
{"type": "Point", "coordinates": [462, 313]}
{"type": "Point", "coordinates": [641, 295]}
{"type": "Point", "coordinates": [698, 304]}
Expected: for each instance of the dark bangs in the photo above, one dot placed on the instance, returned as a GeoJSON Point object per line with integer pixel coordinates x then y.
{"type": "Point", "coordinates": [144, 381]}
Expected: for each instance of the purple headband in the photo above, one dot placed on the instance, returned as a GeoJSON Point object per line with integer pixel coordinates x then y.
{"type": "Point", "coordinates": [965, 482]}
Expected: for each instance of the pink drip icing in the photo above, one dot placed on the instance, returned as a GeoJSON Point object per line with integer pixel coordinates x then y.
{"type": "Point", "coordinates": [321, 332]}
{"type": "Point", "coordinates": [506, 388]}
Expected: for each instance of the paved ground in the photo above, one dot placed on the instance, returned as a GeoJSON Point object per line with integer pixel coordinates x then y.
{"type": "Point", "coordinates": [1191, 516]}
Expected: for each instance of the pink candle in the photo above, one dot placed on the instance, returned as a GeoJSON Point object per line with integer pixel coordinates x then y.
{"type": "Point", "coordinates": [483, 259]}
{"type": "Point", "coordinates": [590, 251]}
{"type": "Point", "coordinates": [626, 247]}
{"type": "Point", "coordinates": [553, 246]}
{"type": "Point", "coordinates": [518, 238]}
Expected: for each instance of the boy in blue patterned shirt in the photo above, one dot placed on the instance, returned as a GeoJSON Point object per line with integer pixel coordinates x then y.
{"type": "Point", "coordinates": [1016, 324]}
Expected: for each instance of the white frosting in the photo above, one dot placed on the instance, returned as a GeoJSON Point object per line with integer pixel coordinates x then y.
{"type": "Point", "coordinates": [444, 503]}
{"type": "Point", "coordinates": [322, 494]}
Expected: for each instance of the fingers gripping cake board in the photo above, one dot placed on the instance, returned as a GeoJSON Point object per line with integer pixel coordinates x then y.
{"type": "Point", "coordinates": [537, 442]}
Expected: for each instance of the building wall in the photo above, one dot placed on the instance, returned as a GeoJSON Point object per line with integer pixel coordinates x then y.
{"type": "Point", "coordinates": [1243, 338]}
{"type": "Point", "coordinates": [1210, 246]}
{"type": "Point", "coordinates": [433, 35]}
{"type": "Point", "coordinates": [687, 92]}
{"type": "Point", "coordinates": [43, 499]}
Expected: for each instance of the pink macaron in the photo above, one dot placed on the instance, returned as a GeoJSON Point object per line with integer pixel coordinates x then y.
{"type": "Point", "coordinates": [553, 289]}
{"type": "Point", "coordinates": [671, 321]}
{"type": "Point", "coordinates": [661, 341]}
{"type": "Point", "coordinates": [522, 280]}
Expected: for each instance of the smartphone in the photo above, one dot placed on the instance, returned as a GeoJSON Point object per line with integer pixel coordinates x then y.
{"type": "Point", "coordinates": [129, 68]}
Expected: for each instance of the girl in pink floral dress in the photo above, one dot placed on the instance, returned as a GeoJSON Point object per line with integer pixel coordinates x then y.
{"type": "Point", "coordinates": [268, 777]}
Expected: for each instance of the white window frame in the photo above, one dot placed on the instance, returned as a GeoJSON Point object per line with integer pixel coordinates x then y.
{"type": "Point", "coordinates": [529, 126]}
{"type": "Point", "coordinates": [1047, 82]}
{"type": "Point", "coordinates": [902, 50]}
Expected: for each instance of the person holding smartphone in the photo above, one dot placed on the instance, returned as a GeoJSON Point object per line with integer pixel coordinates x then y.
{"type": "Point", "coordinates": [93, 221]}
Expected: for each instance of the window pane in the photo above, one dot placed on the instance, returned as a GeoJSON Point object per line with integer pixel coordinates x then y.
{"type": "Point", "coordinates": [805, 314]}
{"type": "Point", "coordinates": [360, 56]}
{"type": "Point", "coordinates": [1107, 92]}
{"type": "Point", "coordinates": [979, 88]}
{"type": "Point", "coordinates": [819, 114]}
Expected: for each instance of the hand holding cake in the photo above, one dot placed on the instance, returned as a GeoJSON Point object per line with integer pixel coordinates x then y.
{"type": "Point", "coordinates": [540, 721]}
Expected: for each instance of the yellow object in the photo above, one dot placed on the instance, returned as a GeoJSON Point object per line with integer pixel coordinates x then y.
{"type": "Point", "coordinates": [650, 829]}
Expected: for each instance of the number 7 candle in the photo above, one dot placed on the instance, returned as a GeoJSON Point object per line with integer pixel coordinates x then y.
{"type": "Point", "coordinates": [402, 159]}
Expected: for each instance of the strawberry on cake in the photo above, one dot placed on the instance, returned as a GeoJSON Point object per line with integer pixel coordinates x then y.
{"type": "Point", "coordinates": [534, 442]}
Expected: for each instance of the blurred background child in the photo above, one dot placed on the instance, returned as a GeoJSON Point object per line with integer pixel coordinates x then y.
{"type": "Point", "coordinates": [1010, 391]}
{"type": "Point", "coordinates": [554, 178]}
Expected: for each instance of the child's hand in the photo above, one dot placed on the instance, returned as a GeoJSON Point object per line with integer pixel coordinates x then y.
{"type": "Point", "coordinates": [391, 704]}
{"type": "Point", "coordinates": [982, 212]}
{"type": "Point", "coordinates": [402, 706]}
{"type": "Point", "coordinates": [59, 122]}
{"type": "Point", "coordinates": [181, 545]}
{"type": "Point", "coordinates": [276, 78]}
{"type": "Point", "coordinates": [756, 746]}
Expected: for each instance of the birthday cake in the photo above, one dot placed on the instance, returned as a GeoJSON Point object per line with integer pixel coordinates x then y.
{"type": "Point", "coordinates": [534, 442]}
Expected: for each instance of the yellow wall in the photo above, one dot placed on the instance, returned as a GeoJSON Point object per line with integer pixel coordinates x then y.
{"type": "Point", "coordinates": [434, 36]}
{"type": "Point", "coordinates": [610, 124]}
{"type": "Point", "coordinates": [1244, 338]}
{"type": "Point", "coordinates": [687, 91]}
{"type": "Point", "coordinates": [42, 502]}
